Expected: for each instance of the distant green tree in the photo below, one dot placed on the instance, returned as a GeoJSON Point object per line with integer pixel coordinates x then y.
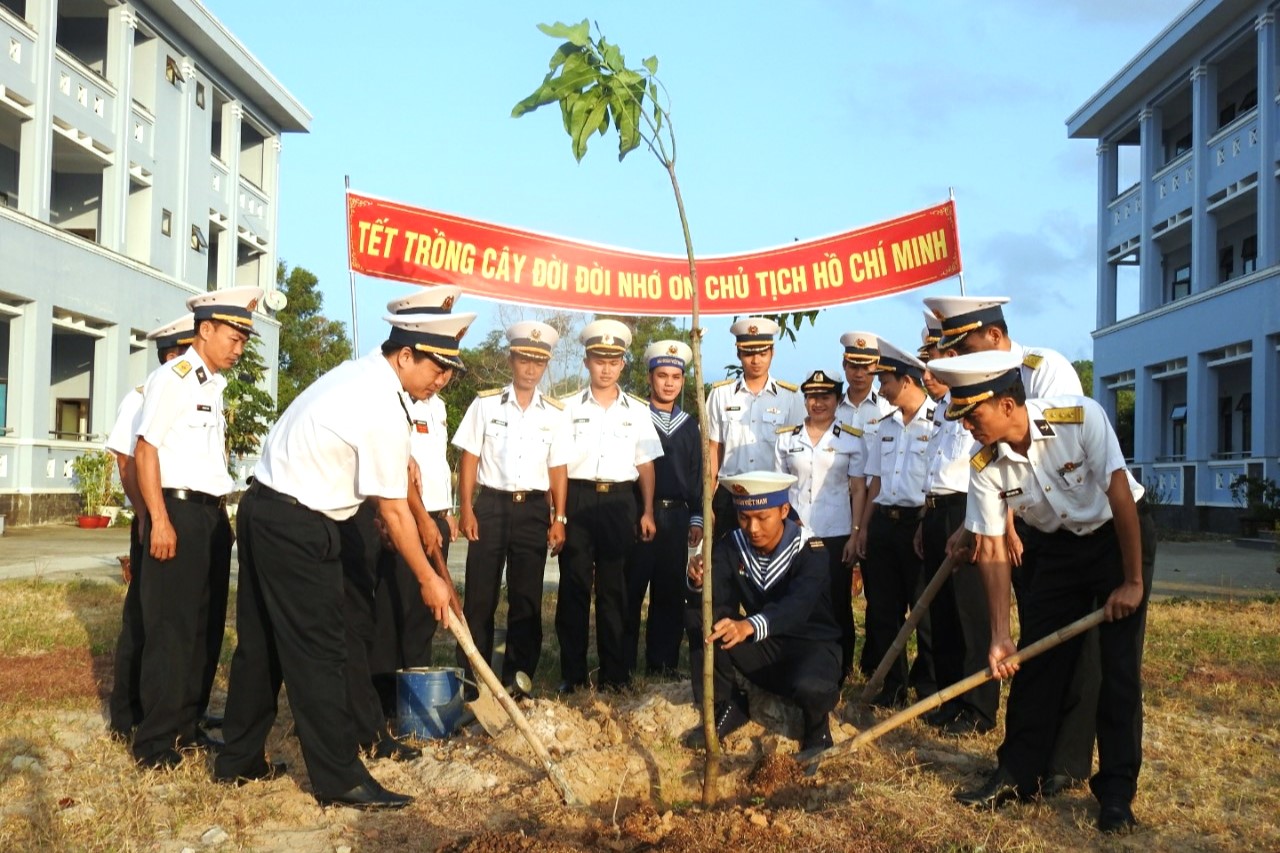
{"type": "Point", "coordinates": [310, 343]}
{"type": "Point", "coordinates": [1125, 399]}
{"type": "Point", "coordinates": [246, 404]}
{"type": "Point", "coordinates": [1084, 369]}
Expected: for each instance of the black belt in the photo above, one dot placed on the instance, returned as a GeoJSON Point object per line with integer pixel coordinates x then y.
{"type": "Point", "coordinates": [935, 501]}
{"type": "Point", "coordinates": [518, 497]}
{"type": "Point", "coordinates": [603, 485]}
{"type": "Point", "coordinates": [260, 491]}
{"type": "Point", "coordinates": [899, 513]}
{"type": "Point", "coordinates": [672, 504]}
{"type": "Point", "coordinates": [194, 497]}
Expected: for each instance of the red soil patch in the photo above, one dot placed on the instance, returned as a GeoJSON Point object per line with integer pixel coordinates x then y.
{"type": "Point", "coordinates": [54, 676]}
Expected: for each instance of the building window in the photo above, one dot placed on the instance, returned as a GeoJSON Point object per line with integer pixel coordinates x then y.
{"type": "Point", "coordinates": [1182, 146]}
{"type": "Point", "coordinates": [1245, 408]}
{"type": "Point", "coordinates": [1249, 255]}
{"type": "Point", "coordinates": [200, 95]}
{"type": "Point", "coordinates": [1178, 446]}
{"type": "Point", "coordinates": [166, 222]}
{"type": "Point", "coordinates": [1226, 115]}
{"type": "Point", "coordinates": [198, 241]}
{"type": "Point", "coordinates": [1226, 262]}
{"type": "Point", "coordinates": [172, 72]}
{"type": "Point", "coordinates": [1225, 413]}
{"type": "Point", "coordinates": [1249, 101]}
{"type": "Point", "coordinates": [1181, 282]}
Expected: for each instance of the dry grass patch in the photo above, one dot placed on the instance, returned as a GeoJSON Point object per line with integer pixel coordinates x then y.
{"type": "Point", "coordinates": [1210, 781]}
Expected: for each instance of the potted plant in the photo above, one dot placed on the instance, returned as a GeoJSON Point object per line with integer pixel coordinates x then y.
{"type": "Point", "coordinates": [1260, 496]}
{"type": "Point", "coordinates": [92, 470]}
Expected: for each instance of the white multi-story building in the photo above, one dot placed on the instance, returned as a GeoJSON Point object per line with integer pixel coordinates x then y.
{"type": "Point", "coordinates": [1189, 234]}
{"type": "Point", "coordinates": [139, 164]}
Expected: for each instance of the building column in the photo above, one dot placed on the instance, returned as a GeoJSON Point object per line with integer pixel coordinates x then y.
{"type": "Point", "coordinates": [110, 367]}
{"type": "Point", "coordinates": [1150, 258]}
{"type": "Point", "coordinates": [1265, 381]}
{"type": "Point", "coordinates": [1202, 418]}
{"type": "Point", "coordinates": [1204, 226]}
{"type": "Point", "coordinates": [1147, 418]}
{"type": "Point", "coordinates": [1107, 186]}
{"type": "Point", "coordinates": [122, 24]}
{"type": "Point", "coordinates": [182, 207]}
{"type": "Point", "coordinates": [1268, 137]}
{"type": "Point", "coordinates": [35, 169]}
{"type": "Point", "coordinates": [271, 184]}
{"type": "Point", "coordinates": [232, 117]}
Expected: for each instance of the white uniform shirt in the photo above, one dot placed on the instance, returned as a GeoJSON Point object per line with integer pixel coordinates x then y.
{"type": "Point", "coordinates": [1046, 372]}
{"type": "Point", "coordinates": [866, 414]}
{"type": "Point", "coordinates": [948, 453]}
{"type": "Point", "coordinates": [428, 442]}
{"type": "Point", "coordinates": [124, 432]}
{"type": "Point", "coordinates": [1060, 483]}
{"type": "Point", "coordinates": [896, 454]}
{"type": "Point", "coordinates": [610, 443]}
{"type": "Point", "coordinates": [517, 447]}
{"type": "Point", "coordinates": [343, 439]}
{"type": "Point", "coordinates": [182, 418]}
{"type": "Point", "coordinates": [746, 424]}
{"type": "Point", "coordinates": [820, 495]}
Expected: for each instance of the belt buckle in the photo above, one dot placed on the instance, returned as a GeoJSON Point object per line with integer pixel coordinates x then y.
{"type": "Point", "coordinates": [602, 487]}
{"type": "Point", "coordinates": [518, 497]}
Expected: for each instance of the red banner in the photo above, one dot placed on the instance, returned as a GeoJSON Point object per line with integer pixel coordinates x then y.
{"type": "Point", "coordinates": [395, 241]}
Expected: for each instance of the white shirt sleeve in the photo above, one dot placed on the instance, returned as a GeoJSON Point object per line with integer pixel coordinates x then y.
{"type": "Point", "coordinates": [470, 433]}
{"type": "Point", "coordinates": [382, 459]}
{"type": "Point", "coordinates": [1101, 446]}
{"type": "Point", "coordinates": [648, 445]}
{"type": "Point", "coordinates": [715, 417]}
{"type": "Point", "coordinates": [124, 433]}
{"type": "Point", "coordinates": [561, 450]}
{"type": "Point", "coordinates": [985, 510]}
{"type": "Point", "coordinates": [164, 399]}
{"type": "Point", "coordinates": [871, 467]}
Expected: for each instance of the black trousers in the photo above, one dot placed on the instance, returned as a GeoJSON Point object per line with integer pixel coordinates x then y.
{"type": "Point", "coordinates": [289, 619]}
{"type": "Point", "coordinates": [959, 616]}
{"type": "Point", "coordinates": [513, 535]}
{"type": "Point", "coordinates": [842, 599]}
{"type": "Point", "coordinates": [600, 534]}
{"type": "Point", "coordinates": [124, 708]}
{"type": "Point", "coordinates": [658, 567]}
{"type": "Point", "coordinates": [403, 624]}
{"type": "Point", "coordinates": [359, 549]}
{"type": "Point", "coordinates": [1073, 746]}
{"type": "Point", "coordinates": [805, 671]}
{"type": "Point", "coordinates": [891, 578]}
{"type": "Point", "coordinates": [1075, 575]}
{"type": "Point", "coordinates": [183, 604]}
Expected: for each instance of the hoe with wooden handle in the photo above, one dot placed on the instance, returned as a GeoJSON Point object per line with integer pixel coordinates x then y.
{"type": "Point", "coordinates": [917, 613]}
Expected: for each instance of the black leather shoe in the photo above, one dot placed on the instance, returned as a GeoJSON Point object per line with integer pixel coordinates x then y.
{"type": "Point", "coordinates": [205, 741]}
{"type": "Point", "coordinates": [729, 718]}
{"type": "Point", "coordinates": [891, 697]}
{"type": "Point", "coordinates": [1116, 817]}
{"type": "Point", "coordinates": [999, 789]}
{"type": "Point", "coordinates": [266, 773]}
{"type": "Point", "coordinates": [387, 746]}
{"type": "Point", "coordinates": [941, 716]}
{"type": "Point", "coordinates": [967, 722]}
{"type": "Point", "coordinates": [1055, 783]}
{"type": "Point", "coordinates": [569, 687]}
{"type": "Point", "coordinates": [817, 739]}
{"type": "Point", "coordinates": [163, 760]}
{"type": "Point", "coordinates": [367, 795]}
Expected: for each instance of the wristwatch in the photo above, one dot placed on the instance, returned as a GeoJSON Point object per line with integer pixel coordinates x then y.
{"type": "Point", "coordinates": [560, 519]}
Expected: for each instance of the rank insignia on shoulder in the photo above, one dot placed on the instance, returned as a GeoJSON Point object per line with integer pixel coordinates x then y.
{"type": "Point", "coordinates": [983, 457]}
{"type": "Point", "coordinates": [641, 400]}
{"type": "Point", "coordinates": [851, 430]}
{"type": "Point", "coordinates": [790, 386]}
{"type": "Point", "coordinates": [722, 383]}
{"type": "Point", "coordinates": [815, 544]}
{"type": "Point", "coordinates": [490, 392]}
{"type": "Point", "coordinates": [1044, 428]}
{"type": "Point", "coordinates": [139, 388]}
{"type": "Point", "coordinates": [421, 427]}
{"type": "Point", "coordinates": [182, 367]}
{"type": "Point", "coordinates": [553, 403]}
{"type": "Point", "coordinates": [201, 375]}
{"type": "Point", "coordinates": [789, 428]}
{"type": "Point", "coordinates": [1065, 415]}
{"type": "Point", "coordinates": [1032, 360]}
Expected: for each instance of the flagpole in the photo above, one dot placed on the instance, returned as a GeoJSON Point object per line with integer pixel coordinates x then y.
{"type": "Point", "coordinates": [951, 192]}
{"type": "Point", "coordinates": [355, 320]}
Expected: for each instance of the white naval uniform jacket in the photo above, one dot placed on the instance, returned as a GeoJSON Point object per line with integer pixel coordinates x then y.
{"type": "Point", "coordinates": [745, 424]}
{"type": "Point", "coordinates": [820, 495]}
{"type": "Point", "coordinates": [182, 418]}
{"type": "Point", "coordinates": [516, 447]}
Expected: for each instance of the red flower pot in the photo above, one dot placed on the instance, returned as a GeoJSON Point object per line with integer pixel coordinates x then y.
{"type": "Point", "coordinates": [87, 521]}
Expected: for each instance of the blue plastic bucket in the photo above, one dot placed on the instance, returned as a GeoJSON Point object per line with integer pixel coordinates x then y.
{"type": "Point", "coordinates": [428, 701]}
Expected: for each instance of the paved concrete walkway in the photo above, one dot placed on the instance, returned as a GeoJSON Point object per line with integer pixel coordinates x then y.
{"type": "Point", "coordinates": [1206, 569]}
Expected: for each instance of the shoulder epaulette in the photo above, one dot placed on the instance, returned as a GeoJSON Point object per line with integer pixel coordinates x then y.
{"type": "Point", "coordinates": [182, 367]}
{"type": "Point", "coordinates": [641, 400]}
{"type": "Point", "coordinates": [553, 402]}
{"type": "Point", "coordinates": [983, 457]}
{"type": "Point", "coordinates": [722, 383]}
{"type": "Point", "coordinates": [139, 388]}
{"type": "Point", "coordinates": [490, 393]}
{"type": "Point", "coordinates": [887, 416]}
{"type": "Point", "coordinates": [1032, 360]}
{"type": "Point", "coordinates": [790, 386]}
{"type": "Point", "coordinates": [1065, 415]}
{"type": "Point", "coordinates": [852, 430]}
{"type": "Point", "coordinates": [789, 428]}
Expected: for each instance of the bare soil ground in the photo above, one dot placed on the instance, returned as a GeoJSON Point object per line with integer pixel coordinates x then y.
{"type": "Point", "coordinates": [1210, 780]}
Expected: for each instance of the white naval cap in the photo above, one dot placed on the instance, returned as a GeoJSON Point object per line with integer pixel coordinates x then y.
{"type": "Point", "coordinates": [894, 360]}
{"type": "Point", "coordinates": [179, 333]}
{"type": "Point", "coordinates": [532, 338]}
{"type": "Point", "coordinates": [860, 347]}
{"type": "Point", "coordinates": [754, 334]}
{"type": "Point", "coordinates": [961, 315]}
{"type": "Point", "coordinates": [976, 377]}
{"type": "Point", "coordinates": [438, 335]}
{"type": "Point", "coordinates": [668, 353]}
{"type": "Point", "coordinates": [232, 305]}
{"type": "Point", "coordinates": [605, 337]}
{"type": "Point", "coordinates": [758, 489]}
{"type": "Point", "coordinates": [430, 299]}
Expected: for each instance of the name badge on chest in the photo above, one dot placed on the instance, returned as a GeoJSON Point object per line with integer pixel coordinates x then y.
{"type": "Point", "coordinates": [421, 427]}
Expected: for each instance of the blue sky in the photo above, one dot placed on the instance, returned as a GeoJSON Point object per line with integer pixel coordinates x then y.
{"type": "Point", "coordinates": [793, 121]}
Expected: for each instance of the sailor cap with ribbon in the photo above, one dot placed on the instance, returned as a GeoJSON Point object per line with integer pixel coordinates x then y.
{"type": "Point", "coordinates": [605, 337]}
{"type": "Point", "coordinates": [754, 334]}
{"type": "Point", "coordinates": [233, 306]}
{"type": "Point", "coordinates": [438, 335]}
{"type": "Point", "coordinates": [860, 348]}
{"type": "Point", "coordinates": [976, 377]}
{"type": "Point", "coordinates": [180, 333]}
{"type": "Point", "coordinates": [434, 299]}
{"type": "Point", "coordinates": [668, 354]}
{"type": "Point", "coordinates": [819, 382]}
{"type": "Point", "coordinates": [758, 489]}
{"type": "Point", "coordinates": [961, 315]}
{"type": "Point", "coordinates": [532, 339]}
